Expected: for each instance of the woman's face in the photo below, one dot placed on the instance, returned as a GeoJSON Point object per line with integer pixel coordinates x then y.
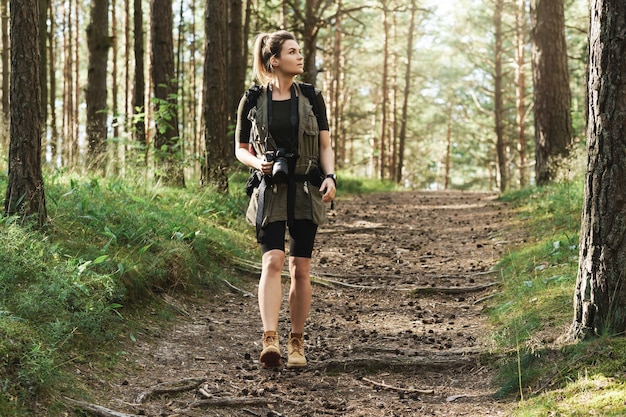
{"type": "Point", "coordinates": [290, 61]}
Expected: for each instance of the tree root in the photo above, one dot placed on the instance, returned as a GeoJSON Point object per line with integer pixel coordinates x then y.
{"type": "Point", "coordinates": [97, 409]}
{"type": "Point", "coordinates": [326, 279]}
{"type": "Point", "coordinates": [230, 402]}
{"type": "Point", "coordinates": [453, 290]}
{"type": "Point", "coordinates": [404, 390]}
{"type": "Point", "coordinates": [392, 363]}
{"type": "Point", "coordinates": [182, 385]}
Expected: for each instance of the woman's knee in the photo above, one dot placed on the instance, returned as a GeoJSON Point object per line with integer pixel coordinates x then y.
{"type": "Point", "coordinates": [300, 268]}
{"type": "Point", "coordinates": [273, 260]}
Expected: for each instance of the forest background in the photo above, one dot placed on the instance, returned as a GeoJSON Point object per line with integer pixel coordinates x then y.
{"type": "Point", "coordinates": [133, 96]}
{"type": "Point", "coordinates": [429, 94]}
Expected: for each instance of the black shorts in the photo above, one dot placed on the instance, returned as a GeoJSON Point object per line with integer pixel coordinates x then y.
{"type": "Point", "coordinates": [301, 237]}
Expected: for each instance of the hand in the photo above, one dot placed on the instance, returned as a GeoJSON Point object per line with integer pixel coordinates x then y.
{"type": "Point", "coordinates": [266, 167]}
{"type": "Point", "coordinates": [328, 190]}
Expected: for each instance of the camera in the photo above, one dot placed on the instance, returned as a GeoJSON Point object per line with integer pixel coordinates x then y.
{"type": "Point", "coordinates": [280, 170]}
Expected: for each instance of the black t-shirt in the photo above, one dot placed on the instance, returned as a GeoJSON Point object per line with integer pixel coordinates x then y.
{"type": "Point", "coordinates": [280, 128]}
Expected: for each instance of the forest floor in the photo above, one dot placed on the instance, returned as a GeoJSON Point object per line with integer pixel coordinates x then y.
{"type": "Point", "coordinates": [396, 325]}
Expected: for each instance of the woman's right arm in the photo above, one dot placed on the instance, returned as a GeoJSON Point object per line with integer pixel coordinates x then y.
{"type": "Point", "coordinates": [242, 149]}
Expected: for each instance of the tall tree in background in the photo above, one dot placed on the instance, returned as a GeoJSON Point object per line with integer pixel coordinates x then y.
{"type": "Point", "coordinates": [25, 190]}
{"type": "Point", "coordinates": [98, 42]}
{"type": "Point", "coordinates": [4, 9]}
{"type": "Point", "coordinates": [407, 88]}
{"type": "Point", "coordinates": [43, 58]}
{"type": "Point", "coordinates": [167, 138]}
{"type": "Point", "coordinates": [520, 88]}
{"type": "Point", "coordinates": [600, 296]}
{"type": "Point", "coordinates": [140, 82]}
{"type": "Point", "coordinates": [237, 67]}
{"type": "Point", "coordinates": [382, 144]}
{"type": "Point", "coordinates": [218, 151]}
{"type": "Point", "coordinates": [52, 97]}
{"type": "Point", "coordinates": [553, 121]}
{"type": "Point", "coordinates": [498, 100]}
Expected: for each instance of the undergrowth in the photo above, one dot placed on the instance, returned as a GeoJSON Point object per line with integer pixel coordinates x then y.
{"type": "Point", "coordinates": [111, 246]}
{"type": "Point", "coordinates": [535, 308]}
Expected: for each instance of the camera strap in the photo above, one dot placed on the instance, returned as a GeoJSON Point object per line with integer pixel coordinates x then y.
{"type": "Point", "coordinates": [291, 186]}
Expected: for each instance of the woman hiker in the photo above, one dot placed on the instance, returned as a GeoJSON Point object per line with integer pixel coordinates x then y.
{"type": "Point", "coordinates": [283, 135]}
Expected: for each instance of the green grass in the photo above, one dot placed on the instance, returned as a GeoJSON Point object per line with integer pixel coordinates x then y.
{"type": "Point", "coordinates": [109, 247]}
{"type": "Point", "coordinates": [535, 308]}
{"type": "Point", "coordinates": [69, 293]}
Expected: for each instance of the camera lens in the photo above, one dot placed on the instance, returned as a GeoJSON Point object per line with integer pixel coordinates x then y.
{"type": "Point", "coordinates": [280, 171]}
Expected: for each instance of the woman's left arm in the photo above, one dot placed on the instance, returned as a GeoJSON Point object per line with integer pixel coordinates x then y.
{"type": "Point", "coordinates": [327, 160]}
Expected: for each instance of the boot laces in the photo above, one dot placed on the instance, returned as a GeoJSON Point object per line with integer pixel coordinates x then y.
{"type": "Point", "coordinates": [269, 340]}
{"type": "Point", "coordinates": [296, 345]}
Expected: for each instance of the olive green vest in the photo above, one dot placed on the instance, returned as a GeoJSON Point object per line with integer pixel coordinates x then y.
{"type": "Point", "coordinates": [308, 199]}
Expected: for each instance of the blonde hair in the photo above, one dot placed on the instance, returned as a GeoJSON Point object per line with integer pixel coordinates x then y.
{"type": "Point", "coordinates": [267, 45]}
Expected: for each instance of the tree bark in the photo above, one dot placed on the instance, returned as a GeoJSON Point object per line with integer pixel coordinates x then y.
{"type": "Point", "coordinates": [600, 295]}
{"type": "Point", "coordinates": [498, 105]}
{"type": "Point", "coordinates": [5, 58]}
{"type": "Point", "coordinates": [384, 92]}
{"type": "Point", "coordinates": [237, 60]}
{"type": "Point", "coordinates": [51, 98]}
{"type": "Point", "coordinates": [520, 89]}
{"type": "Point", "coordinates": [43, 60]}
{"type": "Point", "coordinates": [140, 82]}
{"type": "Point", "coordinates": [217, 152]}
{"type": "Point", "coordinates": [167, 139]}
{"type": "Point", "coordinates": [407, 88]}
{"type": "Point", "coordinates": [553, 121]}
{"type": "Point", "coordinates": [98, 42]}
{"type": "Point", "coordinates": [25, 190]}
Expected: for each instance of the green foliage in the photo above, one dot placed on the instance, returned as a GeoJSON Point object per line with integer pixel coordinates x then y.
{"type": "Point", "coordinates": [535, 309]}
{"type": "Point", "coordinates": [110, 245]}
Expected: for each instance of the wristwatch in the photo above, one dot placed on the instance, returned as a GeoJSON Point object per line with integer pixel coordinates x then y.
{"type": "Point", "coordinates": [332, 177]}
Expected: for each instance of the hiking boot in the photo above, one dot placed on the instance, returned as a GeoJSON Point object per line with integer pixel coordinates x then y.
{"type": "Point", "coordinates": [270, 355]}
{"type": "Point", "coordinates": [295, 351]}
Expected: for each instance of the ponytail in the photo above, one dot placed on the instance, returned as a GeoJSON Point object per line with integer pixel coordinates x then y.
{"type": "Point", "coordinates": [267, 45]}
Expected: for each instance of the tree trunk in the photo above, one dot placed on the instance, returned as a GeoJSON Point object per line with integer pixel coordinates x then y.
{"type": "Point", "coordinates": [217, 153]}
{"type": "Point", "coordinates": [51, 99]}
{"type": "Point", "coordinates": [43, 60]}
{"type": "Point", "coordinates": [553, 121]}
{"type": "Point", "coordinates": [140, 82]}
{"type": "Point", "coordinates": [194, 108]}
{"type": "Point", "coordinates": [407, 88]}
{"type": "Point", "coordinates": [520, 89]}
{"type": "Point", "coordinates": [498, 105]}
{"type": "Point", "coordinates": [446, 177]}
{"type": "Point", "coordinates": [309, 34]}
{"type": "Point", "coordinates": [117, 144]}
{"type": "Point", "coordinates": [167, 138]}
{"type": "Point", "coordinates": [5, 59]}
{"type": "Point", "coordinates": [25, 190]}
{"type": "Point", "coordinates": [600, 295]}
{"type": "Point", "coordinates": [237, 67]}
{"type": "Point", "coordinates": [384, 92]}
{"type": "Point", "coordinates": [98, 42]}
{"type": "Point", "coordinates": [67, 137]}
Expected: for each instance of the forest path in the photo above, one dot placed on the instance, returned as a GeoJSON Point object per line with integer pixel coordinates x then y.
{"type": "Point", "coordinates": [396, 330]}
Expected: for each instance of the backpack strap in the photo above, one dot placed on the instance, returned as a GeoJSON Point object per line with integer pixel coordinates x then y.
{"type": "Point", "coordinates": [253, 93]}
{"type": "Point", "coordinates": [309, 92]}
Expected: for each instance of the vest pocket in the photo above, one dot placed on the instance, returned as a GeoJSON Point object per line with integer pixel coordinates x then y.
{"type": "Point", "coordinates": [318, 208]}
{"type": "Point", "coordinates": [253, 206]}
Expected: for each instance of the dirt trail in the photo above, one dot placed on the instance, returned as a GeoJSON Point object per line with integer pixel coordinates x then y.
{"type": "Point", "coordinates": [375, 346]}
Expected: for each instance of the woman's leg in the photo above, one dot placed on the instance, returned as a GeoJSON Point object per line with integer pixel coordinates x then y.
{"type": "Point", "coordinates": [299, 292]}
{"type": "Point", "coordinates": [270, 289]}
